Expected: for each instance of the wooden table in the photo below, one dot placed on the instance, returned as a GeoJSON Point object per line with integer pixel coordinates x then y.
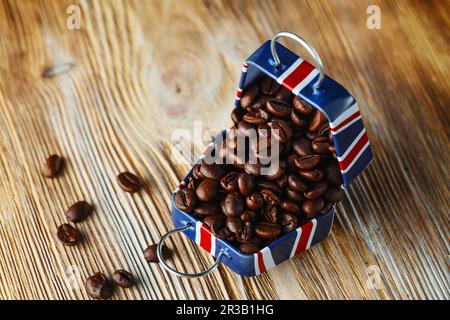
{"type": "Point", "coordinates": [113, 91]}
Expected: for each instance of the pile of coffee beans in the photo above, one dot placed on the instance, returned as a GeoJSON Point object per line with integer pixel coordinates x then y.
{"type": "Point", "coordinates": [247, 207]}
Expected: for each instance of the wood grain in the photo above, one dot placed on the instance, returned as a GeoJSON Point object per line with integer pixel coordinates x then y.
{"type": "Point", "coordinates": [138, 69]}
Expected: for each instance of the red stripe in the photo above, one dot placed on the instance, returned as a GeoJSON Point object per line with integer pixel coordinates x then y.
{"type": "Point", "coordinates": [262, 267]}
{"type": "Point", "coordinates": [303, 242]}
{"type": "Point", "coordinates": [354, 152]}
{"type": "Point", "coordinates": [205, 238]}
{"type": "Point", "coordinates": [181, 186]}
{"type": "Point", "coordinates": [239, 94]}
{"type": "Point", "coordinates": [298, 75]}
{"type": "Point", "coordinates": [343, 123]}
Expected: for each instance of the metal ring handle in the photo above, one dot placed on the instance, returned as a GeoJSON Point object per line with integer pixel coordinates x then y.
{"type": "Point", "coordinates": [307, 46]}
{"type": "Point", "coordinates": [178, 273]}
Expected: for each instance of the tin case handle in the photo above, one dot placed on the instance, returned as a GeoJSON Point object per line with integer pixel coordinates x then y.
{"type": "Point", "coordinates": [304, 44]}
{"type": "Point", "coordinates": [176, 272]}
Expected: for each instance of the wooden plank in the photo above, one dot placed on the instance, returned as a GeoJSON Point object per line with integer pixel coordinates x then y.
{"type": "Point", "coordinates": [143, 68]}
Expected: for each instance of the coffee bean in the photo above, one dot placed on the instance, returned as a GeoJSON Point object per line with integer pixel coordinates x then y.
{"type": "Point", "coordinates": [334, 194]}
{"type": "Point", "coordinates": [206, 190]}
{"type": "Point", "coordinates": [151, 255]}
{"type": "Point", "coordinates": [53, 166]}
{"type": "Point", "coordinates": [318, 190]}
{"type": "Point", "coordinates": [275, 170]}
{"type": "Point", "coordinates": [78, 211]}
{"type": "Point", "coordinates": [248, 216]}
{"type": "Point", "coordinates": [307, 162]}
{"type": "Point", "coordinates": [246, 183]}
{"type": "Point", "coordinates": [226, 234]}
{"type": "Point", "coordinates": [270, 214]}
{"type": "Point", "coordinates": [249, 248]}
{"type": "Point", "coordinates": [267, 230]}
{"type": "Point", "coordinates": [320, 146]}
{"type": "Point", "coordinates": [277, 107]}
{"type": "Point", "coordinates": [270, 197]}
{"type": "Point", "coordinates": [185, 199]}
{"type": "Point", "coordinates": [317, 121]}
{"type": "Point", "coordinates": [253, 169]}
{"type": "Point", "coordinates": [313, 207]}
{"type": "Point", "coordinates": [280, 130]}
{"type": "Point", "coordinates": [234, 224]}
{"type": "Point", "coordinates": [99, 287]}
{"type": "Point", "coordinates": [269, 86]}
{"type": "Point", "coordinates": [313, 175]}
{"type": "Point", "coordinates": [333, 174]}
{"type": "Point", "coordinates": [233, 204]}
{"type": "Point", "coordinates": [296, 184]}
{"type": "Point", "coordinates": [256, 117]}
{"type": "Point", "coordinates": [297, 119]}
{"type": "Point", "coordinates": [215, 222]}
{"type": "Point", "coordinates": [282, 181]}
{"type": "Point", "coordinates": [246, 234]}
{"type": "Point", "coordinates": [302, 146]}
{"type": "Point", "coordinates": [288, 222]}
{"type": "Point", "coordinates": [129, 182]}
{"type": "Point", "coordinates": [212, 171]}
{"type": "Point", "coordinates": [249, 96]}
{"type": "Point", "coordinates": [123, 279]}
{"type": "Point", "coordinates": [266, 184]}
{"type": "Point", "coordinates": [324, 131]}
{"type": "Point", "coordinates": [290, 206]}
{"type": "Point", "coordinates": [294, 195]}
{"type": "Point", "coordinates": [230, 181]}
{"type": "Point", "coordinates": [302, 107]}
{"type": "Point", "coordinates": [237, 114]}
{"type": "Point", "coordinates": [255, 201]}
{"type": "Point", "coordinates": [207, 208]}
{"type": "Point", "coordinates": [68, 235]}
{"type": "Point", "coordinates": [284, 94]}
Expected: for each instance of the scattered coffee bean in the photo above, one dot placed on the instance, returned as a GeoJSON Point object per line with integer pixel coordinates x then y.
{"type": "Point", "coordinates": [206, 190]}
{"type": "Point", "coordinates": [129, 182]}
{"type": "Point", "coordinates": [78, 211]}
{"type": "Point", "coordinates": [123, 279]}
{"type": "Point", "coordinates": [68, 235]}
{"type": "Point", "coordinates": [267, 230]}
{"type": "Point", "coordinates": [246, 183]}
{"type": "Point", "coordinates": [53, 166]}
{"type": "Point", "coordinates": [99, 287]}
{"type": "Point", "coordinates": [151, 255]}
{"type": "Point", "coordinates": [249, 247]}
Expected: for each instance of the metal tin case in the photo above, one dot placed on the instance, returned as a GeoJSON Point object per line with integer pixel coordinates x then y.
{"type": "Point", "coordinates": [350, 139]}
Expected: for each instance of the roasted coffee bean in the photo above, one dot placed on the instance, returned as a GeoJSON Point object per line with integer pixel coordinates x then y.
{"type": "Point", "coordinates": [294, 195]}
{"type": "Point", "coordinates": [78, 211]}
{"type": "Point", "coordinates": [237, 114]}
{"type": "Point", "coordinates": [270, 214]}
{"type": "Point", "coordinates": [207, 208]}
{"type": "Point", "coordinates": [248, 216]}
{"type": "Point", "coordinates": [333, 174]}
{"type": "Point", "coordinates": [68, 235]}
{"type": "Point", "coordinates": [266, 184]}
{"type": "Point", "coordinates": [317, 121]}
{"type": "Point", "coordinates": [307, 162]}
{"type": "Point", "coordinates": [249, 247]}
{"type": "Point", "coordinates": [270, 197]}
{"type": "Point", "coordinates": [258, 103]}
{"type": "Point", "coordinates": [206, 190]}
{"type": "Point", "coordinates": [318, 190]}
{"type": "Point", "coordinates": [302, 106]}
{"type": "Point", "coordinates": [277, 107]}
{"type": "Point", "coordinates": [312, 207]}
{"type": "Point", "coordinates": [249, 96]}
{"type": "Point", "coordinates": [212, 171]}
{"type": "Point", "coordinates": [215, 222]}
{"type": "Point", "coordinates": [288, 222]}
{"type": "Point", "coordinates": [192, 183]}
{"type": "Point", "coordinates": [233, 204]}
{"type": "Point", "coordinates": [267, 230]}
{"type": "Point", "coordinates": [123, 279]}
{"type": "Point", "coordinates": [282, 181]}
{"type": "Point", "coordinates": [254, 201]}
{"type": "Point", "coordinates": [269, 86]}
{"type": "Point", "coordinates": [257, 116]}
{"type": "Point", "coordinates": [290, 161]}
{"type": "Point", "coordinates": [129, 182]}
{"type": "Point", "coordinates": [151, 255]}
{"type": "Point", "coordinates": [334, 194]}
{"type": "Point", "coordinates": [253, 169]}
{"type": "Point", "coordinates": [313, 175]}
{"type": "Point", "coordinates": [246, 183]}
{"type": "Point", "coordinates": [302, 146]}
{"type": "Point", "coordinates": [226, 234]}
{"type": "Point", "coordinates": [310, 135]}
{"type": "Point", "coordinates": [99, 287]}
{"type": "Point", "coordinates": [296, 184]}
{"type": "Point", "coordinates": [246, 234]}
{"type": "Point", "coordinates": [297, 119]}
{"type": "Point", "coordinates": [290, 206]}
{"type": "Point", "coordinates": [197, 173]}
{"type": "Point", "coordinates": [53, 166]}
{"type": "Point", "coordinates": [284, 94]}
{"type": "Point", "coordinates": [230, 181]}
{"type": "Point", "coordinates": [320, 145]}
{"type": "Point", "coordinates": [234, 224]}
{"type": "Point", "coordinates": [185, 199]}
{"type": "Point", "coordinates": [324, 131]}
{"type": "Point", "coordinates": [280, 130]}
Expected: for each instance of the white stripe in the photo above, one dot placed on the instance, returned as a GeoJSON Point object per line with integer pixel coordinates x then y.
{"type": "Point", "coordinates": [341, 158]}
{"type": "Point", "coordinates": [244, 68]}
{"type": "Point", "coordinates": [347, 113]}
{"type": "Point", "coordinates": [268, 259]}
{"type": "Point", "coordinates": [177, 189]}
{"type": "Point", "coordinates": [197, 232]}
{"type": "Point", "coordinates": [305, 81]}
{"type": "Point", "coordinates": [256, 264]}
{"type": "Point", "coordinates": [311, 235]}
{"type": "Point", "coordinates": [213, 245]}
{"type": "Point", "coordinates": [289, 70]}
{"type": "Point", "coordinates": [346, 126]}
{"type": "Point", "coordinates": [239, 89]}
{"type": "Point", "coordinates": [238, 98]}
{"type": "Point", "coordinates": [357, 157]}
{"type": "Point", "coordinates": [297, 239]}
